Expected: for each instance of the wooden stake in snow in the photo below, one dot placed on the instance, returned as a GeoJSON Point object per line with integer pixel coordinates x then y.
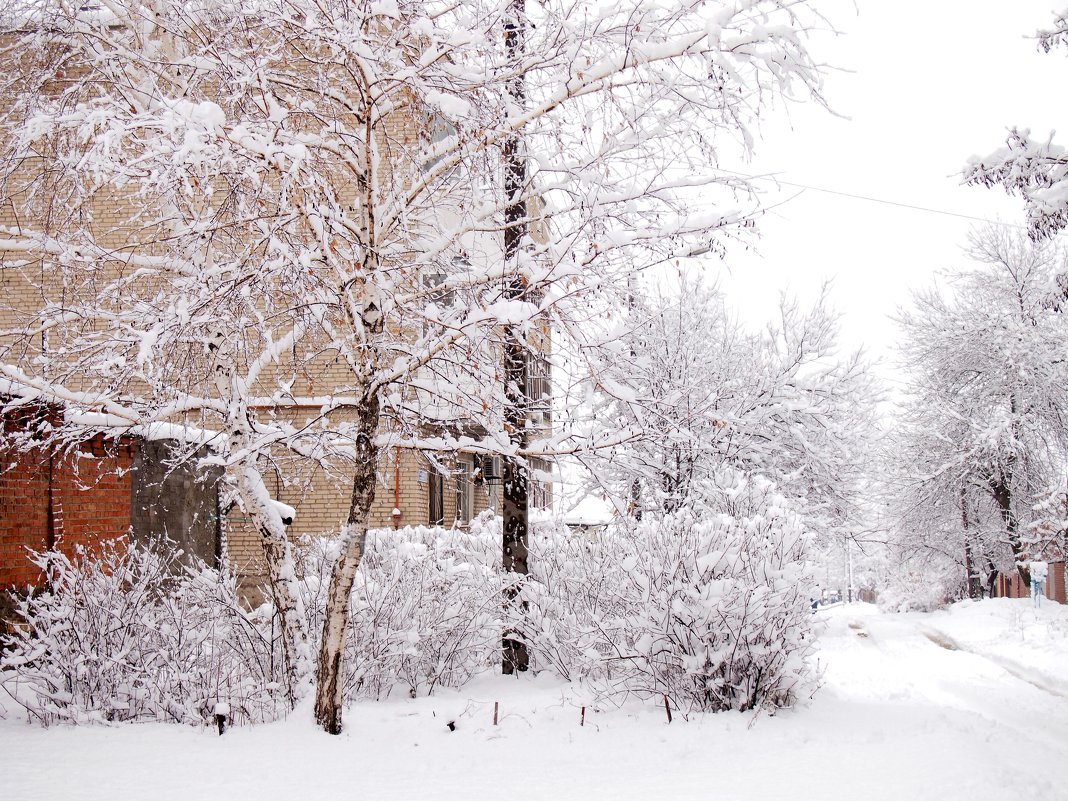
{"type": "Point", "coordinates": [667, 707]}
{"type": "Point", "coordinates": [582, 719]}
{"type": "Point", "coordinates": [494, 713]}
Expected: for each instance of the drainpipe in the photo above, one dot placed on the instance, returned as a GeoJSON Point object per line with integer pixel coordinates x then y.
{"type": "Point", "coordinates": [396, 488]}
{"type": "Point", "coordinates": [50, 534]}
{"type": "Point", "coordinates": [55, 502]}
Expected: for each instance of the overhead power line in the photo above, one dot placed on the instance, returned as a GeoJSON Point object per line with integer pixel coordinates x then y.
{"type": "Point", "coordinates": [871, 199]}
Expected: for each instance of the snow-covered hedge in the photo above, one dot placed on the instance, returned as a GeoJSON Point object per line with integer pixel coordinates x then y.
{"type": "Point", "coordinates": [426, 607]}
{"type": "Point", "coordinates": [128, 634]}
{"type": "Point", "coordinates": [710, 609]}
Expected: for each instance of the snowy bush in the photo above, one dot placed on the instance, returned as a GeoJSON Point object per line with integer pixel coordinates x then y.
{"type": "Point", "coordinates": [577, 591]}
{"type": "Point", "coordinates": [126, 633]}
{"type": "Point", "coordinates": [922, 586]}
{"type": "Point", "coordinates": [708, 608]}
{"type": "Point", "coordinates": [425, 607]}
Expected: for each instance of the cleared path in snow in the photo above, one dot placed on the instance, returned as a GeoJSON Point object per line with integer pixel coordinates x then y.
{"type": "Point", "coordinates": [928, 666]}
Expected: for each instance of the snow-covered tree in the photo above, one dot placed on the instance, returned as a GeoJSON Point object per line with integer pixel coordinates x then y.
{"type": "Point", "coordinates": [738, 452]}
{"type": "Point", "coordinates": [698, 391]}
{"type": "Point", "coordinates": [982, 438]}
{"type": "Point", "coordinates": [279, 230]}
{"type": "Point", "coordinates": [1034, 169]}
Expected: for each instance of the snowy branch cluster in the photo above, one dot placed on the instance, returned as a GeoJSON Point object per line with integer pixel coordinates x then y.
{"type": "Point", "coordinates": [699, 391]}
{"type": "Point", "coordinates": [1034, 169]}
{"type": "Point", "coordinates": [1050, 38]}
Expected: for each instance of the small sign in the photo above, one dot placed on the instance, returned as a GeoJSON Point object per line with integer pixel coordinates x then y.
{"type": "Point", "coordinates": [423, 477]}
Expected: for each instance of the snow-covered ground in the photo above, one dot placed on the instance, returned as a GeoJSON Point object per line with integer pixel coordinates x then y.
{"type": "Point", "coordinates": [964, 704]}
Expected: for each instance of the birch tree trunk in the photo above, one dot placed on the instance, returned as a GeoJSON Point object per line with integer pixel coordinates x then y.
{"type": "Point", "coordinates": [330, 675]}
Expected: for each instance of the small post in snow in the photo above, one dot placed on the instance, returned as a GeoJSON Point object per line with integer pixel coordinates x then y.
{"type": "Point", "coordinates": [495, 713]}
{"type": "Point", "coordinates": [667, 707]}
{"type": "Point", "coordinates": [221, 711]}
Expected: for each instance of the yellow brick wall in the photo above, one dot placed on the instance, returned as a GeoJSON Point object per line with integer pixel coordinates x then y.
{"type": "Point", "coordinates": [320, 498]}
{"type": "Point", "coordinates": [322, 503]}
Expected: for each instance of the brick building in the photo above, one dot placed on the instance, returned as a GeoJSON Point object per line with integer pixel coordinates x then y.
{"type": "Point", "coordinates": [412, 487]}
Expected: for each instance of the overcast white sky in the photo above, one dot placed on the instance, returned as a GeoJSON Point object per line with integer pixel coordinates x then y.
{"type": "Point", "coordinates": [930, 82]}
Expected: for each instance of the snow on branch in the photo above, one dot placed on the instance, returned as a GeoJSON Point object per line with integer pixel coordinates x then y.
{"type": "Point", "coordinates": [1050, 38]}
{"type": "Point", "coordinates": [1036, 170]}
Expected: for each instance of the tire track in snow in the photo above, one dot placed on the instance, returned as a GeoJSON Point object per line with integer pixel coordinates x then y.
{"type": "Point", "coordinates": [1035, 713]}
{"type": "Point", "coordinates": [1035, 678]}
{"type": "Point", "coordinates": [948, 682]}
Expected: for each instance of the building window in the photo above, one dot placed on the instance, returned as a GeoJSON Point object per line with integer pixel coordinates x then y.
{"type": "Point", "coordinates": [465, 496]}
{"type": "Point", "coordinates": [488, 476]}
{"type": "Point", "coordinates": [539, 390]}
{"type": "Point", "coordinates": [539, 486]}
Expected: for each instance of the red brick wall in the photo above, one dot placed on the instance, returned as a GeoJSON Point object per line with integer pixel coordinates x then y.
{"type": "Point", "coordinates": [94, 494]}
{"type": "Point", "coordinates": [1055, 583]}
{"type": "Point", "coordinates": [91, 499]}
{"type": "Point", "coordinates": [23, 515]}
{"type": "Point", "coordinates": [1013, 587]}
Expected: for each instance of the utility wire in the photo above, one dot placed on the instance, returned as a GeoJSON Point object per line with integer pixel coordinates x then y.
{"type": "Point", "coordinates": [876, 200]}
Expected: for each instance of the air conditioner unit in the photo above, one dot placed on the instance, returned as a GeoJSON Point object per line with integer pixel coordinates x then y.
{"type": "Point", "coordinates": [488, 470]}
